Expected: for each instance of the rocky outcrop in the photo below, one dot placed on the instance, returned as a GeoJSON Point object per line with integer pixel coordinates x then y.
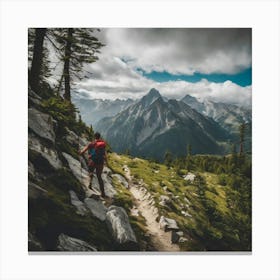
{"type": "Point", "coordinates": [167, 224]}
{"type": "Point", "coordinates": [75, 166]}
{"type": "Point", "coordinates": [67, 243]}
{"type": "Point", "coordinates": [118, 223]}
{"type": "Point", "coordinates": [49, 154]}
{"type": "Point", "coordinates": [41, 124]}
{"type": "Point", "coordinates": [97, 208]}
{"type": "Point", "coordinates": [73, 139]}
{"type": "Point", "coordinates": [80, 207]}
{"type": "Point", "coordinates": [34, 191]}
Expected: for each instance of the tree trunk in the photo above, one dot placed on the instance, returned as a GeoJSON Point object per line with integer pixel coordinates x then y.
{"type": "Point", "coordinates": [37, 59]}
{"type": "Point", "coordinates": [66, 70]}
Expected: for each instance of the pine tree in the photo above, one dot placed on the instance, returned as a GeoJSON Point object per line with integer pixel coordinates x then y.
{"type": "Point", "coordinates": [37, 59]}
{"type": "Point", "coordinates": [168, 158]}
{"type": "Point", "coordinates": [75, 47]}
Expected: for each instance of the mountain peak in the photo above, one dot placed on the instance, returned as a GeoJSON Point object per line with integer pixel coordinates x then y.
{"type": "Point", "coordinates": [153, 92]}
{"type": "Point", "coordinates": [150, 97]}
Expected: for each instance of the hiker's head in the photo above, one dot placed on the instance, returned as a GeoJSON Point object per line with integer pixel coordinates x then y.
{"type": "Point", "coordinates": [97, 135]}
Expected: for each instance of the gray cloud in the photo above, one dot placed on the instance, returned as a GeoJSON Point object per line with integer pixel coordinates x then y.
{"type": "Point", "coordinates": [176, 51]}
{"type": "Point", "coordinates": [181, 51]}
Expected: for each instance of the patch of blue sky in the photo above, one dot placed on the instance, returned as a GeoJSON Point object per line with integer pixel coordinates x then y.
{"type": "Point", "coordinates": [243, 78]}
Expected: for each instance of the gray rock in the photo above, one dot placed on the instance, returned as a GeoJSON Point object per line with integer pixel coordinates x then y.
{"type": "Point", "coordinates": [108, 187]}
{"type": "Point", "coordinates": [33, 97]}
{"type": "Point", "coordinates": [67, 243]}
{"type": "Point", "coordinates": [75, 166]}
{"type": "Point", "coordinates": [118, 223]}
{"type": "Point", "coordinates": [73, 139]}
{"type": "Point", "coordinates": [107, 171]}
{"type": "Point", "coordinates": [164, 200]}
{"type": "Point", "coordinates": [186, 214]}
{"type": "Point", "coordinates": [175, 236]}
{"type": "Point", "coordinates": [121, 179]}
{"type": "Point", "coordinates": [81, 209]}
{"type": "Point", "coordinates": [31, 169]}
{"type": "Point", "coordinates": [41, 124]}
{"type": "Point", "coordinates": [33, 243]}
{"type": "Point", "coordinates": [97, 208]}
{"type": "Point", "coordinates": [34, 191]}
{"type": "Point", "coordinates": [189, 177]}
{"type": "Point", "coordinates": [183, 239]}
{"type": "Point", "coordinates": [167, 224]}
{"type": "Point", "coordinates": [49, 154]}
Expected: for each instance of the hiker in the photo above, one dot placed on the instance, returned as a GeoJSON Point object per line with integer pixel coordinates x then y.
{"type": "Point", "coordinates": [96, 157]}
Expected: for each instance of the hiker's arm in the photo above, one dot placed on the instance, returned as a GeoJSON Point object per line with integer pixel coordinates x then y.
{"type": "Point", "coordinates": [83, 150]}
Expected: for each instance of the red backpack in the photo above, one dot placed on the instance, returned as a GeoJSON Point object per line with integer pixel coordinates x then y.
{"type": "Point", "coordinates": [97, 151]}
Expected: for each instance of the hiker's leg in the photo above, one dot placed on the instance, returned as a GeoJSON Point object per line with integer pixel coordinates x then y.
{"type": "Point", "coordinates": [99, 169]}
{"type": "Point", "coordinates": [90, 173]}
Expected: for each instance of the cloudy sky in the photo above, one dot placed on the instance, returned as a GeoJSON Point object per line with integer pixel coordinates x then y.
{"type": "Point", "coordinates": [205, 63]}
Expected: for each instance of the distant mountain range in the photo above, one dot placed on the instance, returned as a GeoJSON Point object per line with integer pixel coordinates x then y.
{"type": "Point", "coordinates": [153, 125]}
{"type": "Point", "coordinates": [229, 116]}
{"type": "Point", "coordinates": [93, 110]}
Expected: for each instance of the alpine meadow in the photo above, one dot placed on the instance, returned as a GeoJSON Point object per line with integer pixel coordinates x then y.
{"type": "Point", "coordinates": [140, 139]}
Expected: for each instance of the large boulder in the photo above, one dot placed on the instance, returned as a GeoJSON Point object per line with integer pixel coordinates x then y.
{"type": "Point", "coordinates": [41, 124]}
{"type": "Point", "coordinates": [118, 223]}
{"type": "Point", "coordinates": [67, 243]}
{"type": "Point", "coordinates": [34, 144]}
{"type": "Point", "coordinates": [97, 208]}
{"type": "Point", "coordinates": [167, 224]}
{"type": "Point", "coordinates": [80, 207]}
{"type": "Point", "coordinates": [35, 191]}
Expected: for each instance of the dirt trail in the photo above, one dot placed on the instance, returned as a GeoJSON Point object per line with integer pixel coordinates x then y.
{"type": "Point", "coordinates": [161, 240]}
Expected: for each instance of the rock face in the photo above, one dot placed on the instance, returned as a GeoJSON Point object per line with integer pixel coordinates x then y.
{"type": "Point", "coordinates": [167, 224]}
{"type": "Point", "coordinates": [75, 166]}
{"type": "Point", "coordinates": [118, 223]}
{"type": "Point", "coordinates": [73, 139]}
{"type": "Point", "coordinates": [41, 124]}
{"type": "Point", "coordinates": [97, 208]}
{"type": "Point", "coordinates": [34, 191]}
{"type": "Point", "coordinates": [67, 243]}
{"type": "Point", "coordinates": [81, 209]}
{"type": "Point", "coordinates": [47, 153]}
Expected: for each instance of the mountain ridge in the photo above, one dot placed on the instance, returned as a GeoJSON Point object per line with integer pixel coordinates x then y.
{"type": "Point", "coordinates": [152, 119]}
